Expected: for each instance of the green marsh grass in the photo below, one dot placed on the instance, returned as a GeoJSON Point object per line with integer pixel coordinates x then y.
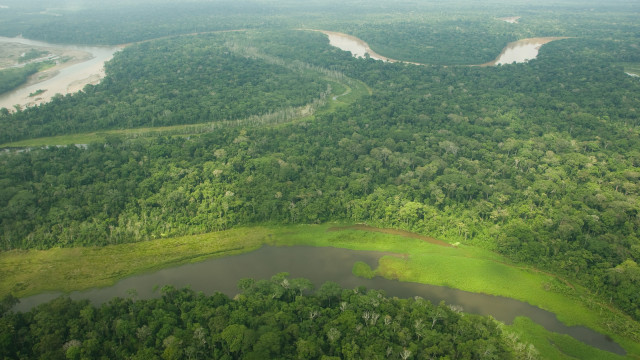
{"type": "Point", "coordinates": [363, 270]}
{"type": "Point", "coordinates": [99, 136]}
{"type": "Point", "coordinates": [465, 268]}
{"type": "Point", "coordinates": [554, 346]}
{"type": "Point", "coordinates": [67, 269]}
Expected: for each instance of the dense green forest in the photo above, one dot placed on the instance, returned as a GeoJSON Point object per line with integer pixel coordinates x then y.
{"type": "Point", "coordinates": [275, 318]}
{"type": "Point", "coordinates": [112, 22]}
{"type": "Point", "coordinates": [541, 172]}
{"type": "Point", "coordinates": [537, 161]}
{"type": "Point", "coordinates": [477, 38]}
{"type": "Point", "coordinates": [178, 81]}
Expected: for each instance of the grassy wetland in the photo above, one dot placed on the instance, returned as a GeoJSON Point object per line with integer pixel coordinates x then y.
{"type": "Point", "coordinates": [414, 259]}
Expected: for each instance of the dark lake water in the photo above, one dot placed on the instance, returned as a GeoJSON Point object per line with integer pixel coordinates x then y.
{"type": "Point", "coordinates": [320, 265]}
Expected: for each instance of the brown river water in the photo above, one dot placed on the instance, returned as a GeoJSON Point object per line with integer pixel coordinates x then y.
{"type": "Point", "coordinates": [66, 78]}
{"type": "Point", "coordinates": [72, 77]}
{"type": "Point", "coordinates": [519, 51]}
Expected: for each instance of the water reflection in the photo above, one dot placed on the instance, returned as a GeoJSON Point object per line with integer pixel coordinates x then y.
{"type": "Point", "coordinates": [356, 46]}
{"type": "Point", "coordinates": [521, 51]}
{"type": "Point", "coordinates": [320, 265]}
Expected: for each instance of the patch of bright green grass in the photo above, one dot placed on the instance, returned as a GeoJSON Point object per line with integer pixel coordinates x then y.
{"type": "Point", "coordinates": [67, 269]}
{"type": "Point", "coordinates": [466, 268]}
{"type": "Point", "coordinates": [460, 269]}
{"type": "Point", "coordinates": [362, 269]}
{"type": "Point", "coordinates": [552, 345]}
{"type": "Point", "coordinates": [98, 136]}
{"type": "Point", "coordinates": [475, 270]}
{"type": "Point", "coordinates": [338, 88]}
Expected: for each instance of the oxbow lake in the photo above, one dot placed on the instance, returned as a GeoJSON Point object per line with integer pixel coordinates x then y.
{"type": "Point", "coordinates": [320, 265]}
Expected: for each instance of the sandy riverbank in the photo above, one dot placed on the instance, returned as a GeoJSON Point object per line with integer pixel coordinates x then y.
{"type": "Point", "coordinates": [521, 51]}
{"type": "Point", "coordinates": [75, 68]}
{"type": "Point", "coordinates": [356, 46]}
{"type": "Point", "coordinates": [517, 51]}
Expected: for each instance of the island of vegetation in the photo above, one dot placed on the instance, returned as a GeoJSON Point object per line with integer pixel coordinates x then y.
{"type": "Point", "coordinates": [14, 77]}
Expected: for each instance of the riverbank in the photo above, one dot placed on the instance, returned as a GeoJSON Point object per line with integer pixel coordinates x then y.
{"type": "Point", "coordinates": [76, 67]}
{"type": "Point", "coordinates": [518, 51]}
{"type": "Point", "coordinates": [466, 268]}
{"type": "Point", "coordinates": [521, 51]}
{"type": "Point", "coordinates": [357, 46]}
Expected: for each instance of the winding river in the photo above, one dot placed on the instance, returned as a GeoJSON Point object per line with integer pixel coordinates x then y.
{"type": "Point", "coordinates": [356, 46]}
{"type": "Point", "coordinates": [519, 51]}
{"type": "Point", "coordinates": [317, 264]}
{"type": "Point", "coordinates": [65, 78]}
{"type": "Point", "coordinates": [320, 265]}
{"type": "Point", "coordinates": [72, 77]}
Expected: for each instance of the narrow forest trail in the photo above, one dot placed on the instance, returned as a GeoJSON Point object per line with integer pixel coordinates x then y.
{"type": "Point", "coordinates": [347, 92]}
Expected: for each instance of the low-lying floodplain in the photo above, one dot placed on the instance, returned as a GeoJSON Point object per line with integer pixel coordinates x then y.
{"type": "Point", "coordinates": [40, 275]}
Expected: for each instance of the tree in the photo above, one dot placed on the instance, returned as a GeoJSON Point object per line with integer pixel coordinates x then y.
{"type": "Point", "coordinates": [329, 291]}
{"type": "Point", "coordinates": [233, 336]}
{"type": "Point", "coordinates": [7, 303]}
